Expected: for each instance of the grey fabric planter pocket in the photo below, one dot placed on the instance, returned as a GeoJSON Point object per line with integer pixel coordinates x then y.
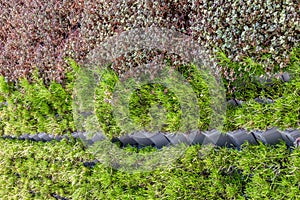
{"type": "Point", "coordinates": [177, 138]}
{"type": "Point", "coordinates": [271, 136]}
{"type": "Point", "coordinates": [219, 139]}
{"type": "Point", "coordinates": [240, 136]}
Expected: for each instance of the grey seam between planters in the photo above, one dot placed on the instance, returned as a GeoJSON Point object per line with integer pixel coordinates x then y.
{"type": "Point", "coordinates": [266, 137]}
{"type": "Point", "coordinates": [232, 139]}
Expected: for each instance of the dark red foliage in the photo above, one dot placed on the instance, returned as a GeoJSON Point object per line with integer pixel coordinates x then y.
{"type": "Point", "coordinates": [43, 32]}
{"type": "Point", "coordinates": [38, 33]}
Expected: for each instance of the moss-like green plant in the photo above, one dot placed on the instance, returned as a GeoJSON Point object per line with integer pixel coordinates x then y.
{"type": "Point", "coordinates": [38, 170]}
{"type": "Point", "coordinates": [148, 97]}
{"type": "Point", "coordinates": [34, 107]}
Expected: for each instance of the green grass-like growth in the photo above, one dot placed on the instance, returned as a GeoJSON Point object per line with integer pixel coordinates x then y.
{"type": "Point", "coordinates": [36, 170]}
{"type": "Point", "coordinates": [35, 107]}
{"type": "Point", "coordinates": [240, 78]}
{"type": "Point", "coordinates": [151, 101]}
{"type": "Point", "coordinates": [284, 113]}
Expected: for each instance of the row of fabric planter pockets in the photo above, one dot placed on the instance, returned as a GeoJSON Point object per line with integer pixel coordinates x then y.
{"type": "Point", "coordinates": [159, 140]}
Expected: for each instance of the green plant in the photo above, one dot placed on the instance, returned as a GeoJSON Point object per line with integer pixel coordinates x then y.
{"type": "Point", "coordinates": [35, 107]}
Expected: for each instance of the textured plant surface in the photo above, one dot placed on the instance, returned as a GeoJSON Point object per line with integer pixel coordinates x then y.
{"type": "Point", "coordinates": [32, 108]}
{"type": "Point", "coordinates": [246, 39]}
{"type": "Point", "coordinates": [42, 33]}
{"type": "Point", "coordinates": [38, 33]}
{"type": "Point", "coordinates": [41, 170]}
